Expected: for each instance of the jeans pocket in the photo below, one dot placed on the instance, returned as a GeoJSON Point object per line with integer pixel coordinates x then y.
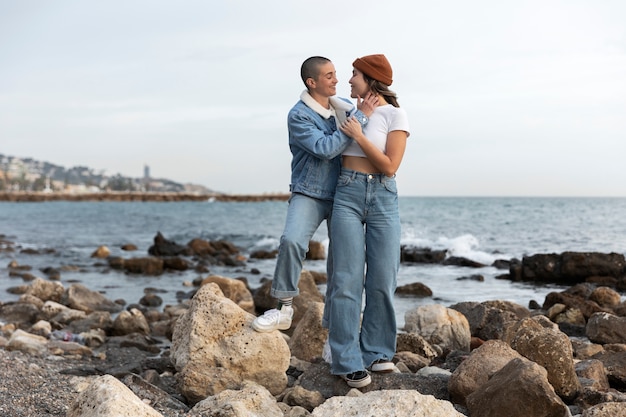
{"type": "Point", "coordinates": [390, 184]}
{"type": "Point", "coordinates": [344, 180]}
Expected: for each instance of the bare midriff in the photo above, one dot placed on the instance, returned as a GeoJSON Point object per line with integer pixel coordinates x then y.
{"type": "Point", "coordinates": [359, 164]}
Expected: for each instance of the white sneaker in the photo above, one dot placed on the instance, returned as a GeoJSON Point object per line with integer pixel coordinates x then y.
{"type": "Point", "coordinates": [326, 353]}
{"type": "Point", "coordinates": [383, 366]}
{"type": "Point", "coordinates": [274, 320]}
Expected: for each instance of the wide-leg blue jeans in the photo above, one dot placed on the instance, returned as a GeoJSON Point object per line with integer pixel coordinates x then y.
{"type": "Point", "coordinates": [304, 216]}
{"type": "Point", "coordinates": [365, 231]}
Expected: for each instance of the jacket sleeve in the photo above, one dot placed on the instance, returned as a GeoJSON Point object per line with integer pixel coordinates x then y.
{"type": "Point", "coordinates": [305, 133]}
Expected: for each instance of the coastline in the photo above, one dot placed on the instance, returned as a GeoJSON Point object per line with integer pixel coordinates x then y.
{"type": "Point", "coordinates": [34, 197]}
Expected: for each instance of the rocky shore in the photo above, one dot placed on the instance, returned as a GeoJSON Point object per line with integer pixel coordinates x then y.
{"type": "Point", "coordinates": [66, 350]}
{"type": "Point", "coordinates": [28, 196]}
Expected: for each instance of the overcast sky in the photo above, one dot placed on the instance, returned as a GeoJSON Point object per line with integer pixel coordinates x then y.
{"type": "Point", "coordinates": [505, 98]}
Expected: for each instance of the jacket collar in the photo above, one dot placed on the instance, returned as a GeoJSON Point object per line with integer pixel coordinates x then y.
{"type": "Point", "coordinates": [342, 108]}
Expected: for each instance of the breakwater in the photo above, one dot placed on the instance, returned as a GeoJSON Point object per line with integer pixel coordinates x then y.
{"type": "Point", "coordinates": [27, 196]}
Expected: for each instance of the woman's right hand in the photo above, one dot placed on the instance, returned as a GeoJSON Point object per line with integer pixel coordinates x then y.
{"type": "Point", "coordinates": [351, 127]}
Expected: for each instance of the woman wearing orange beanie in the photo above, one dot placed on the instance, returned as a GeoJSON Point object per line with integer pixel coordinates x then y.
{"type": "Point", "coordinates": [365, 231]}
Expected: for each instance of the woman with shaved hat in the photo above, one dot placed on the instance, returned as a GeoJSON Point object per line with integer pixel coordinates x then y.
{"type": "Point", "coordinates": [365, 231]}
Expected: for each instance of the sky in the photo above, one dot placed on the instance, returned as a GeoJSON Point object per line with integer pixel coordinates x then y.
{"type": "Point", "coordinates": [504, 98]}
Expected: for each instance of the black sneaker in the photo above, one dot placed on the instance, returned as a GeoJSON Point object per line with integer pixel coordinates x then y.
{"type": "Point", "coordinates": [358, 379]}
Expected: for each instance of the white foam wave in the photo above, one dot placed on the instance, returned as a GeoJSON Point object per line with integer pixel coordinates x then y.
{"type": "Point", "coordinates": [266, 243]}
{"type": "Point", "coordinates": [465, 246]}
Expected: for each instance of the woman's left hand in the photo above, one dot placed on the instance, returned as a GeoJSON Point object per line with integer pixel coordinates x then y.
{"type": "Point", "coordinates": [368, 104]}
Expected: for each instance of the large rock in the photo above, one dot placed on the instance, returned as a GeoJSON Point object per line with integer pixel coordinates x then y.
{"type": "Point", "coordinates": [53, 310]}
{"type": "Point", "coordinates": [234, 289]}
{"type": "Point", "coordinates": [606, 328]}
{"type": "Point", "coordinates": [316, 251]}
{"type": "Point", "coordinates": [519, 389]}
{"type": "Point", "coordinates": [613, 409]}
{"type": "Point", "coordinates": [606, 297]}
{"type": "Point", "coordinates": [46, 290]}
{"type": "Point", "coordinates": [491, 319]}
{"type": "Point", "coordinates": [412, 254]}
{"type": "Point", "coordinates": [416, 344]}
{"type": "Point", "coordinates": [572, 300]}
{"type": "Point", "coordinates": [19, 313]}
{"type": "Point", "coordinates": [106, 396]}
{"type": "Point", "coordinates": [128, 322]}
{"type": "Point", "coordinates": [147, 265]}
{"type": "Point", "coordinates": [27, 343]}
{"type": "Point", "coordinates": [613, 357]}
{"type": "Point", "coordinates": [571, 267]}
{"type": "Point", "coordinates": [397, 403]}
{"type": "Point", "coordinates": [441, 326]}
{"type": "Point", "coordinates": [165, 247]}
{"type": "Point", "coordinates": [592, 374]}
{"type": "Point", "coordinates": [79, 297]}
{"type": "Point", "coordinates": [251, 400]}
{"type": "Point", "coordinates": [215, 348]}
{"type": "Point", "coordinates": [549, 347]}
{"type": "Point", "coordinates": [308, 338]}
{"type": "Point", "coordinates": [476, 370]}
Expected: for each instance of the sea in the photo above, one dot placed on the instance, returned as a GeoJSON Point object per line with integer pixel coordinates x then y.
{"type": "Point", "coordinates": [64, 235]}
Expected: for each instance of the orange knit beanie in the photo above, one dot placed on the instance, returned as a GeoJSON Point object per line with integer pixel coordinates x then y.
{"type": "Point", "coordinates": [376, 67]}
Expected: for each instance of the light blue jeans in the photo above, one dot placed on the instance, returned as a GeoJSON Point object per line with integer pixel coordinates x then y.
{"type": "Point", "coordinates": [304, 216]}
{"type": "Point", "coordinates": [365, 227]}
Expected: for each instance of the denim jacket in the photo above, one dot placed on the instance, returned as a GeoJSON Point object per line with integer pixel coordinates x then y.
{"type": "Point", "coordinates": [316, 145]}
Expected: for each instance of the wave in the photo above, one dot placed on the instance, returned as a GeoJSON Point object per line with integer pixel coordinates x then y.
{"type": "Point", "coordinates": [465, 246]}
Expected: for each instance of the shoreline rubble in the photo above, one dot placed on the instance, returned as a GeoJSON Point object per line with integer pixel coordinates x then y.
{"type": "Point", "coordinates": [201, 357]}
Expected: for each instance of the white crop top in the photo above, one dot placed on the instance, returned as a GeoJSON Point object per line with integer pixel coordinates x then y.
{"type": "Point", "coordinates": [385, 119]}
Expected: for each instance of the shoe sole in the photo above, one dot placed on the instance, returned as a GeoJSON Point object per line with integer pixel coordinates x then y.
{"type": "Point", "coordinates": [360, 383]}
{"type": "Point", "coordinates": [383, 369]}
{"type": "Point", "coordinates": [261, 329]}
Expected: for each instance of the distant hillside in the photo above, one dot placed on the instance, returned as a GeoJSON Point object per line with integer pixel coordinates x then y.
{"type": "Point", "coordinates": [27, 174]}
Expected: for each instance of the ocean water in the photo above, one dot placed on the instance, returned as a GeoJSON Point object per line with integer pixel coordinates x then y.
{"type": "Point", "coordinates": [481, 229]}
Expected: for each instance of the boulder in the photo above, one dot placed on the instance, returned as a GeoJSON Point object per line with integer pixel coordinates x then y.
{"type": "Point", "coordinates": [214, 348]}
{"type": "Point", "coordinates": [27, 343]}
{"type": "Point", "coordinates": [440, 326]}
{"type": "Point", "coordinates": [572, 267]}
{"type": "Point", "coordinates": [101, 252]}
{"type": "Point", "coordinates": [605, 297]}
{"type": "Point", "coordinates": [46, 290]}
{"type": "Point", "coordinates": [412, 254]}
{"type": "Point", "coordinates": [164, 247]}
{"type": "Point", "coordinates": [106, 396]}
{"type": "Point", "coordinates": [476, 370]}
{"type": "Point", "coordinates": [414, 343]}
{"type": "Point", "coordinates": [399, 403]}
{"type": "Point", "coordinates": [612, 409]}
{"type": "Point", "coordinates": [537, 340]}
{"type": "Point", "coordinates": [307, 340]}
{"type": "Point", "coordinates": [234, 289]}
{"type": "Point", "coordinates": [79, 297]}
{"type": "Point", "coordinates": [416, 289]}
{"type": "Point", "coordinates": [250, 400]}
{"type": "Point", "coordinates": [491, 319]}
{"type": "Point", "coordinates": [519, 389]}
{"type": "Point", "coordinates": [606, 328]}
{"type": "Point", "coordinates": [316, 251]}
{"type": "Point", "coordinates": [128, 322]}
